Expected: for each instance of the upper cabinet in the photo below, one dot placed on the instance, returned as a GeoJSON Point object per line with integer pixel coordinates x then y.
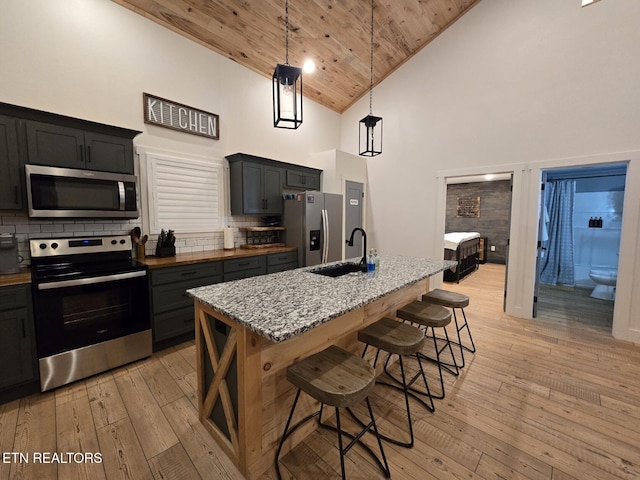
{"type": "Point", "coordinates": [60, 146]}
{"type": "Point", "coordinates": [257, 183]}
{"type": "Point", "coordinates": [10, 175]}
{"type": "Point", "coordinates": [256, 187]}
{"type": "Point", "coordinates": [43, 138]}
{"type": "Point", "coordinates": [304, 178]}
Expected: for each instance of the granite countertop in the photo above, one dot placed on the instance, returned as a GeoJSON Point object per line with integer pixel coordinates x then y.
{"type": "Point", "coordinates": [282, 305]}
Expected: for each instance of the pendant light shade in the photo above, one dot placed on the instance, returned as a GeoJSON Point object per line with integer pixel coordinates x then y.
{"type": "Point", "coordinates": [370, 136]}
{"type": "Point", "coordinates": [287, 96]}
{"type": "Point", "coordinates": [370, 129]}
{"type": "Point", "coordinates": [287, 88]}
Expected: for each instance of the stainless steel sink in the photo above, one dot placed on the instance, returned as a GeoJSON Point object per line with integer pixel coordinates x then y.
{"type": "Point", "coordinates": [339, 269]}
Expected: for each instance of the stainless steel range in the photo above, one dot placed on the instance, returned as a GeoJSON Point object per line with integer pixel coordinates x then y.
{"type": "Point", "coordinates": [91, 307]}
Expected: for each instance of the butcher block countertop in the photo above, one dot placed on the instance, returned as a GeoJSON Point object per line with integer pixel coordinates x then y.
{"type": "Point", "coordinates": [210, 255]}
{"type": "Point", "coordinates": [20, 278]}
{"type": "Point", "coordinates": [282, 305]}
{"type": "Point", "coordinates": [24, 276]}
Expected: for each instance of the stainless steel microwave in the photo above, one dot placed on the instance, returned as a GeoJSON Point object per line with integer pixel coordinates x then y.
{"type": "Point", "coordinates": [71, 193]}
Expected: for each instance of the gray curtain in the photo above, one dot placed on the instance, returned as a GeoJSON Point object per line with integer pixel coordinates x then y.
{"type": "Point", "coordinates": [557, 266]}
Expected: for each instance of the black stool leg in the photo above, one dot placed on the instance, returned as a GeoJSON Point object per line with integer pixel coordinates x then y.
{"type": "Point", "coordinates": [441, 365]}
{"type": "Point", "coordinates": [285, 434]}
{"type": "Point", "coordinates": [383, 465]}
{"type": "Point", "coordinates": [466, 325]}
{"type": "Point", "coordinates": [340, 449]}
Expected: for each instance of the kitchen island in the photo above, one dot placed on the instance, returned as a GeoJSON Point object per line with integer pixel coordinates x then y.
{"type": "Point", "coordinates": [249, 331]}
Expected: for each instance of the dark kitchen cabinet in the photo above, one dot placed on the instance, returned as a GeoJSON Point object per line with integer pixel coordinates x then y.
{"type": "Point", "coordinates": [18, 360]}
{"type": "Point", "coordinates": [171, 306]}
{"type": "Point", "coordinates": [279, 262]}
{"type": "Point", "coordinates": [63, 146]}
{"type": "Point", "coordinates": [256, 187]}
{"type": "Point", "coordinates": [11, 191]}
{"type": "Point", "coordinates": [303, 178]}
{"type": "Point", "coordinates": [244, 267]}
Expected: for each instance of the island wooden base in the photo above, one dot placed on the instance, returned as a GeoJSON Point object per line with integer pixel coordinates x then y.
{"type": "Point", "coordinates": [243, 394]}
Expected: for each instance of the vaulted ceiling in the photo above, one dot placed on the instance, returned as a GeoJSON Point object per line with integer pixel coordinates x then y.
{"type": "Point", "coordinates": [336, 34]}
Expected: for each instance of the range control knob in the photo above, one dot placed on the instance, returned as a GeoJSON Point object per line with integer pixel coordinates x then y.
{"type": "Point", "coordinates": [122, 242]}
{"type": "Point", "coordinates": [113, 242]}
{"type": "Point", "coordinates": [42, 246]}
{"type": "Point", "coordinates": [54, 245]}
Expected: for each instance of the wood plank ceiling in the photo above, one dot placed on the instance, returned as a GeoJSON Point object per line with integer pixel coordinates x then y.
{"type": "Point", "coordinates": [336, 34]}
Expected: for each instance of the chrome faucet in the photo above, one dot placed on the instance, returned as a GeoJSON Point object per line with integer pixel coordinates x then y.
{"type": "Point", "coordinates": [363, 261]}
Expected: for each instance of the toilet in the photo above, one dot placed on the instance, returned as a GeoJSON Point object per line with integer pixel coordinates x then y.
{"type": "Point", "coordinates": [605, 281]}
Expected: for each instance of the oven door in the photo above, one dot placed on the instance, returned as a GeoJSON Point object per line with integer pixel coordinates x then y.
{"type": "Point", "coordinates": [74, 313]}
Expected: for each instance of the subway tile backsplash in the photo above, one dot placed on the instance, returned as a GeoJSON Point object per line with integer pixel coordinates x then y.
{"type": "Point", "coordinates": [25, 229]}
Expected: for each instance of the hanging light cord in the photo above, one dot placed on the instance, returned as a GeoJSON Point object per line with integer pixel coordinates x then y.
{"type": "Point", "coordinates": [286, 32]}
{"type": "Point", "coordinates": [371, 72]}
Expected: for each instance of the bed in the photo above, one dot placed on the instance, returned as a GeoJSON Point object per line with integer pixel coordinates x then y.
{"type": "Point", "coordinates": [464, 248]}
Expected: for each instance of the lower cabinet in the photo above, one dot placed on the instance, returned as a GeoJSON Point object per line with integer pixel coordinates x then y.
{"type": "Point", "coordinates": [172, 308]}
{"type": "Point", "coordinates": [18, 358]}
{"type": "Point", "coordinates": [279, 262]}
{"type": "Point", "coordinates": [245, 267]}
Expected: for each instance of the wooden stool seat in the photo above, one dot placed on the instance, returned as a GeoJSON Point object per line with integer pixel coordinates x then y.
{"type": "Point", "coordinates": [392, 336]}
{"type": "Point", "coordinates": [334, 377]}
{"type": "Point", "coordinates": [446, 298]}
{"type": "Point", "coordinates": [402, 339]}
{"type": "Point", "coordinates": [431, 317]}
{"type": "Point", "coordinates": [341, 379]}
{"type": "Point", "coordinates": [425, 314]}
{"type": "Point", "coordinates": [453, 301]}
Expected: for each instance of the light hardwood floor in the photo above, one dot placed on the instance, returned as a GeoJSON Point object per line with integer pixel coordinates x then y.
{"type": "Point", "coordinates": [556, 398]}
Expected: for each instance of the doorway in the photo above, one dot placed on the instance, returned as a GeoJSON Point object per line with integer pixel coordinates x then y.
{"type": "Point", "coordinates": [580, 220]}
{"type": "Point", "coordinates": [492, 193]}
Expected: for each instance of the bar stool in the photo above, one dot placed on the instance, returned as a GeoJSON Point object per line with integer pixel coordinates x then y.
{"type": "Point", "coordinates": [432, 317]}
{"type": "Point", "coordinates": [400, 339]}
{"type": "Point", "coordinates": [453, 301]}
{"type": "Point", "coordinates": [338, 378]}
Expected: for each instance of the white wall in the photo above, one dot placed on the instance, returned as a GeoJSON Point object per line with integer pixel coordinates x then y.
{"type": "Point", "coordinates": [513, 85]}
{"type": "Point", "coordinates": [93, 59]}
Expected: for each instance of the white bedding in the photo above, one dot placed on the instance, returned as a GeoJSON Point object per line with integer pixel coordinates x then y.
{"type": "Point", "coordinates": [453, 239]}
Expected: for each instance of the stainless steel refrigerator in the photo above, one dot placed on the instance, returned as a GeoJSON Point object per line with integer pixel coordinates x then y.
{"type": "Point", "coordinates": [313, 222]}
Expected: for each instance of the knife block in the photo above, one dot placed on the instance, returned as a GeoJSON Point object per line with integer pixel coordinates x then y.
{"type": "Point", "coordinates": [166, 251]}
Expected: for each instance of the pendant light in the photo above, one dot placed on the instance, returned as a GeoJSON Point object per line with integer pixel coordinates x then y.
{"type": "Point", "coordinates": [370, 131]}
{"type": "Point", "coordinates": [287, 88]}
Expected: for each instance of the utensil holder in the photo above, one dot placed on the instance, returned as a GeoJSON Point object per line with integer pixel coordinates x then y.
{"type": "Point", "coordinates": [166, 251]}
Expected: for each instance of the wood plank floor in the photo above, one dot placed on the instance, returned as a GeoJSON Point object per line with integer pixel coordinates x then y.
{"type": "Point", "coordinates": [556, 398]}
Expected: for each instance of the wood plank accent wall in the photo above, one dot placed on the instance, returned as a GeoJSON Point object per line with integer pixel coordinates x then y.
{"type": "Point", "coordinates": [493, 223]}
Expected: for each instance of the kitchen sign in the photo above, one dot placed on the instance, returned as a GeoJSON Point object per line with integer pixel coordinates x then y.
{"type": "Point", "coordinates": [176, 116]}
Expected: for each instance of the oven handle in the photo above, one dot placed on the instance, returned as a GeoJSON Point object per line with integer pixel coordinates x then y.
{"type": "Point", "coordinates": [91, 280]}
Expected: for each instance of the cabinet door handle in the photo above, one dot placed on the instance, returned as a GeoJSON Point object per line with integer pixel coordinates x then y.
{"type": "Point", "coordinates": [81, 151]}
{"type": "Point", "coordinates": [88, 154]}
{"type": "Point", "coordinates": [24, 329]}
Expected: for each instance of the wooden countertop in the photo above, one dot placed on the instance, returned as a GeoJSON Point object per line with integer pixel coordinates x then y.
{"type": "Point", "coordinates": [209, 255]}
{"type": "Point", "coordinates": [20, 278]}
{"type": "Point", "coordinates": [24, 276]}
